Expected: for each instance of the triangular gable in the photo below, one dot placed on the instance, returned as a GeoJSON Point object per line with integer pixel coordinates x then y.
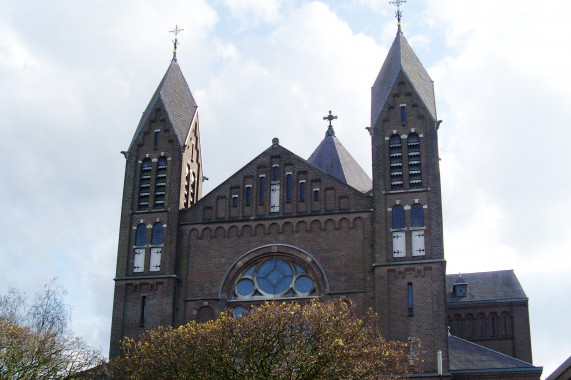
{"type": "Point", "coordinates": [262, 165]}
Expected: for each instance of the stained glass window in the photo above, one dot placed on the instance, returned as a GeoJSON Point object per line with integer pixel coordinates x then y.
{"type": "Point", "coordinates": [274, 278]}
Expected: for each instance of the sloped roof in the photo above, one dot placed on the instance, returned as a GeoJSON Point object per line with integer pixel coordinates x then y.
{"type": "Point", "coordinates": [486, 286]}
{"type": "Point", "coordinates": [332, 157]}
{"type": "Point", "coordinates": [467, 356]}
{"type": "Point", "coordinates": [401, 57]}
{"type": "Point", "coordinates": [180, 107]}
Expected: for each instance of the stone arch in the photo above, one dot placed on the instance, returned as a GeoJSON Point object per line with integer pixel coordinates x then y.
{"type": "Point", "coordinates": [247, 230]}
{"type": "Point", "coordinates": [233, 232]}
{"type": "Point", "coordinates": [274, 229]}
{"type": "Point", "coordinates": [301, 227]}
{"type": "Point", "coordinates": [315, 225]}
{"type": "Point", "coordinates": [344, 224]}
{"type": "Point", "coordinates": [287, 228]}
{"type": "Point", "coordinates": [205, 314]}
{"type": "Point", "coordinates": [193, 234]}
{"type": "Point", "coordinates": [220, 232]}
{"type": "Point", "coordinates": [274, 250]}
{"type": "Point", "coordinates": [330, 225]}
{"type": "Point", "coordinates": [358, 222]}
{"type": "Point", "coordinates": [206, 233]}
{"type": "Point", "coordinates": [260, 230]}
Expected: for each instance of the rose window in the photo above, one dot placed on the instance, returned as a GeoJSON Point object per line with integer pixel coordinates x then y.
{"type": "Point", "coordinates": [274, 278]}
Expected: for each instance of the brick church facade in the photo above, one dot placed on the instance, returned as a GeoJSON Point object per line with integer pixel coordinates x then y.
{"type": "Point", "coordinates": [286, 228]}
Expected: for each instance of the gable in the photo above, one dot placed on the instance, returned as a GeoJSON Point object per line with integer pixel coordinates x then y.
{"type": "Point", "coordinates": [277, 183]}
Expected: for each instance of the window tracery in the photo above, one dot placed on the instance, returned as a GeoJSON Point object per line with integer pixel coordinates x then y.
{"type": "Point", "coordinates": [276, 277]}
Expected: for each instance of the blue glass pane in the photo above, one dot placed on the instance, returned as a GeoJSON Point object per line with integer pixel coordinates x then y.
{"type": "Point", "coordinates": [245, 287]}
{"type": "Point", "coordinates": [304, 284]}
{"type": "Point", "coordinates": [298, 269]}
{"type": "Point", "coordinates": [157, 234]}
{"type": "Point", "coordinates": [417, 215]}
{"type": "Point", "coordinates": [265, 268]}
{"type": "Point", "coordinates": [283, 268]}
{"type": "Point", "coordinates": [141, 238]}
{"type": "Point", "coordinates": [147, 163]}
{"type": "Point", "coordinates": [250, 272]}
{"type": "Point", "coordinates": [398, 217]}
{"type": "Point", "coordinates": [274, 276]}
{"type": "Point", "coordinates": [162, 161]}
{"type": "Point", "coordinates": [239, 311]}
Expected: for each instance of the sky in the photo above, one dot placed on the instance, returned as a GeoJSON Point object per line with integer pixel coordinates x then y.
{"type": "Point", "coordinates": [76, 76]}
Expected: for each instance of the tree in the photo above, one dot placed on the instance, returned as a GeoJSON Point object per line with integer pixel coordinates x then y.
{"type": "Point", "coordinates": [35, 342]}
{"type": "Point", "coordinates": [313, 340]}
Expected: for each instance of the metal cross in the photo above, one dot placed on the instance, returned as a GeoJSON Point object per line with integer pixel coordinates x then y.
{"type": "Point", "coordinates": [175, 31]}
{"type": "Point", "coordinates": [330, 117]}
{"type": "Point", "coordinates": [398, 13]}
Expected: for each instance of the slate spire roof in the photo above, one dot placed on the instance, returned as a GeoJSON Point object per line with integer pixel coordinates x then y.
{"type": "Point", "coordinates": [173, 92]}
{"type": "Point", "coordinates": [401, 58]}
{"type": "Point", "coordinates": [332, 157]}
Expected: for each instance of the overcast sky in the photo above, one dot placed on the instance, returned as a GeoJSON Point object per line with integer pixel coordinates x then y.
{"type": "Point", "coordinates": [76, 76]}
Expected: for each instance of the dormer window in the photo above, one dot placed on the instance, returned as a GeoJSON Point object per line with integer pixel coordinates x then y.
{"type": "Point", "coordinates": [460, 287]}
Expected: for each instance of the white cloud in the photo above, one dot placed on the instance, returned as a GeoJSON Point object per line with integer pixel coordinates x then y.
{"type": "Point", "coordinates": [253, 11]}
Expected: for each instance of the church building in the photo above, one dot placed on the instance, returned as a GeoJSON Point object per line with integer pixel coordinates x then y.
{"type": "Point", "coordinates": [288, 228]}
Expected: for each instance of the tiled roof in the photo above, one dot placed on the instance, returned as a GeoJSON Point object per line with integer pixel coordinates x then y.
{"type": "Point", "coordinates": [332, 157]}
{"type": "Point", "coordinates": [486, 286]}
{"type": "Point", "coordinates": [178, 101]}
{"type": "Point", "coordinates": [468, 356]}
{"type": "Point", "coordinates": [401, 57]}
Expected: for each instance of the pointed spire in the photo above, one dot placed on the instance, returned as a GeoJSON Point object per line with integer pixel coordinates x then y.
{"type": "Point", "coordinates": [401, 59]}
{"type": "Point", "coordinates": [175, 31]}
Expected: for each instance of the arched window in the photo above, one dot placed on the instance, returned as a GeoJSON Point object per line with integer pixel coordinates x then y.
{"type": "Point", "coordinates": [157, 237]}
{"type": "Point", "coordinates": [398, 217]}
{"type": "Point", "coordinates": [161, 182]}
{"type": "Point", "coordinates": [141, 237]}
{"type": "Point", "coordinates": [395, 160]}
{"type": "Point", "coordinates": [276, 277]}
{"type": "Point", "coordinates": [469, 326]}
{"type": "Point", "coordinates": [414, 175]}
{"type": "Point", "coordinates": [417, 215]}
{"type": "Point", "coordinates": [145, 185]}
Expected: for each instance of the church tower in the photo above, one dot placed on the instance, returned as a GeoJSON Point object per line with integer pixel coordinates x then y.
{"type": "Point", "coordinates": [409, 267]}
{"type": "Point", "coordinates": [163, 174]}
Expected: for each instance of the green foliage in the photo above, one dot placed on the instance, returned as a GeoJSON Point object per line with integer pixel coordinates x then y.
{"type": "Point", "coordinates": [314, 340]}
{"type": "Point", "coordinates": [35, 342]}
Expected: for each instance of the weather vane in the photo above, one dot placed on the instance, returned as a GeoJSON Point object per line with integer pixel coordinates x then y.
{"type": "Point", "coordinates": [398, 13]}
{"type": "Point", "coordinates": [330, 117]}
{"type": "Point", "coordinates": [175, 31]}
